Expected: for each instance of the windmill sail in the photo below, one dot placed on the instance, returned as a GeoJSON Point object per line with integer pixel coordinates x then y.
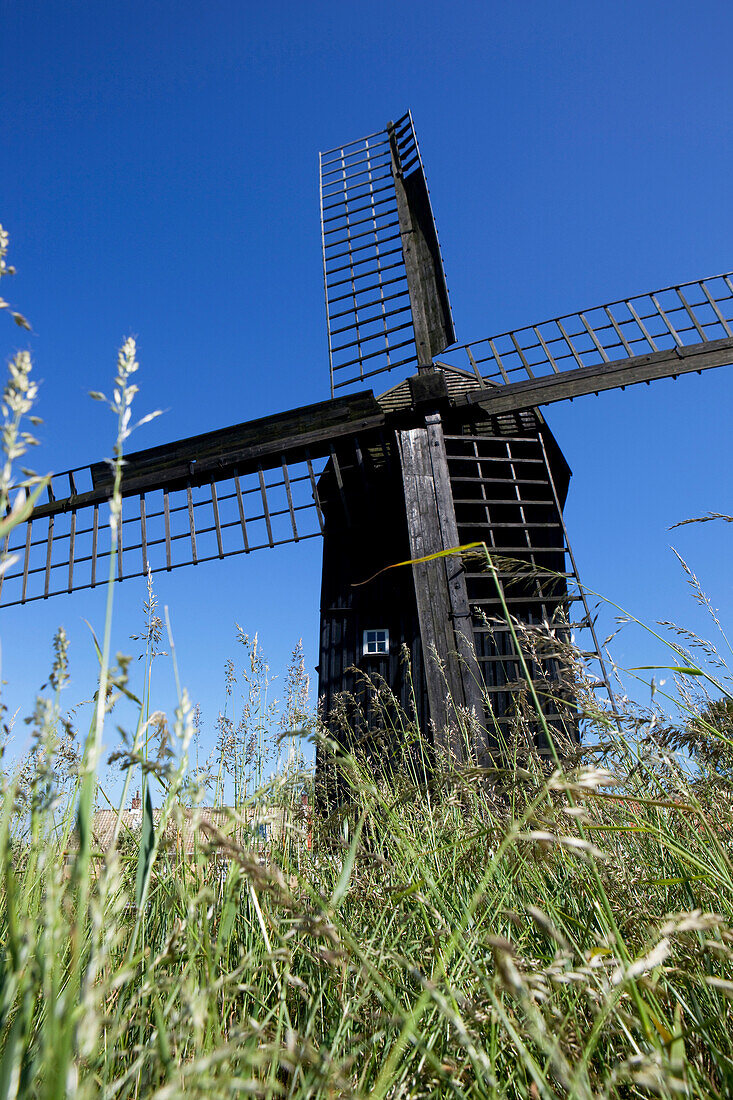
{"type": "Point", "coordinates": [233, 491]}
{"type": "Point", "coordinates": [386, 296]}
{"type": "Point", "coordinates": [684, 328]}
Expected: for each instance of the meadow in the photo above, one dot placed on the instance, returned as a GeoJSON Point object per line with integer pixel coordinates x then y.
{"type": "Point", "coordinates": [540, 928]}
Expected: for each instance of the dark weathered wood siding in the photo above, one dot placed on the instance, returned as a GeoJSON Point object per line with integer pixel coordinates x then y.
{"type": "Point", "coordinates": [507, 491]}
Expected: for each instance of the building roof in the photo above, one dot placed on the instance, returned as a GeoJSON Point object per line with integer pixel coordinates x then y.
{"type": "Point", "coordinates": [458, 382]}
{"type": "Point", "coordinates": [184, 828]}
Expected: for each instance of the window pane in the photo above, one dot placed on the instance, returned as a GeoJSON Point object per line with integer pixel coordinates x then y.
{"type": "Point", "coordinates": [376, 641]}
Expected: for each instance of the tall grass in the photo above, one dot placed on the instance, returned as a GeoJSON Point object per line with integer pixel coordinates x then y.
{"type": "Point", "coordinates": [527, 930]}
{"type": "Point", "coordinates": [521, 932]}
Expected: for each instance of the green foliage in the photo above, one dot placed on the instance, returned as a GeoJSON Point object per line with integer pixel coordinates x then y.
{"type": "Point", "coordinates": [513, 933]}
{"type": "Point", "coordinates": [704, 734]}
{"type": "Point", "coordinates": [709, 736]}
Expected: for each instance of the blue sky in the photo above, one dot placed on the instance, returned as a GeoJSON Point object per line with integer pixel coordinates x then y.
{"type": "Point", "coordinates": [159, 178]}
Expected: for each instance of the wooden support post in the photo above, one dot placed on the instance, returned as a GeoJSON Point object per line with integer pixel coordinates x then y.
{"type": "Point", "coordinates": [454, 679]}
{"type": "Point", "coordinates": [455, 570]}
{"type": "Point", "coordinates": [431, 316]}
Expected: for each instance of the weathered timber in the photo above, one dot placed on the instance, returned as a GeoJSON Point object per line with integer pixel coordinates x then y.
{"type": "Point", "coordinates": [303, 433]}
{"type": "Point", "coordinates": [532, 393]}
{"type": "Point", "coordinates": [449, 661]}
{"type": "Point", "coordinates": [431, 589]}
{"type": "Point", "coordinates": [454, 568]}
{"type": "Point", "coordinates": [431, 314]}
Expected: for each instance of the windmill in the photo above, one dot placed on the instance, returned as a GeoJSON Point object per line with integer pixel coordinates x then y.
{"type": "Point", "coordinates": [456, 452]}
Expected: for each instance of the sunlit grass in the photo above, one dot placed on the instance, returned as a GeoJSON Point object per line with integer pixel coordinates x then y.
{"type": "Point", "coordinates": [519, 932]}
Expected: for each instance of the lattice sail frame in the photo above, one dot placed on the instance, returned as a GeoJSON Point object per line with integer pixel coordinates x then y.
{"type": "Point", "coordinates": [187, 520]}
{"type": "Point", "coordinates": [681, 316]}
{"type": "Point", "coordinates": [367, 219]}
{"type": "Point", "coordinates": [66, 547]}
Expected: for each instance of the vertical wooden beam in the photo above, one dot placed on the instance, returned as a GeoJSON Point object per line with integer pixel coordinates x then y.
{"type": "Point", "coordinates": [120, 547]}
{"type": "Point", "coordinates": [412, 267]}
{"type": "Point", "coordinates": [431, 316]}
{"type": "Point", "coordinates": [215, 506]}
{"type": "Point", "coordinates": [95, 537]}
{"type": "Point", "coordinates": [455, 571]}
{"type": "Point", "coordinates": [72, 532]}
{"type": "Point", "coordinates": [144, 536]}
{"type": "Point", "coordinates": [242, 520]}
{"type": "Point", "coordinates": [26, 560]}
{"type": "Point", "coordinates": [265, 506]}
{"type": "Point", "coordinates": [314, 488]}
{"type": "Point", "coordinates": [440, 587]}
{"type": "Point", "coordinates": [167, 517]}
{"type": "Point", "coordinates": [3, 555]}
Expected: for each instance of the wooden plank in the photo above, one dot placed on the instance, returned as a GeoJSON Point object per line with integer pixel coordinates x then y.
{"type": "Point", "coordinates": [691, 315]}
{"type": "Point", "coordinates": [546, 350]}
{"type": "Point", "coordinates": [508, 501]}
{"type": "Point", "coordinates": [265, 506]}
{"type": "Point", "coordinates": [240, 449]}
{"type": "Point", "coordinates": [412, 270]}
{"type": "Point", "coordinates": [143, 535]}
{"type": "Point", "coordinates": [431, 315]}
{"type": "Point", "coordinates": [255, 442]}
{"type": "Point", "coordinates": [569, 343]}
{"type": "Point", "coordinates": [119, 544]}
{"type": "Point", "coordinates": [72, 540]}
{"type": "Point", "coordinates": [599, 346]}
{"type": "Point", "coordinates": [714, 307]}
{"type": "Point", "coordinates": [215, 506]}
{"type": "Point", "coordinates": [167, 515]}
{"type": "Point", "coordinates": [619, 332]}
{"type": "Point", "coordinates": [242, 520]}
{"type": "Point", "coordinates": [314, 488]}
{"type": "Point", "coordinates": [95, 536]}
{"type": "Point", "coordinates": [26, 560]}
{"type": "Point", "coordinates": [497, 357]}
{"type": "Point", "coordinates": [442, 602]}
{"type": "Point", "coordinates": [191, 524]}
{"type": "Point", "coordinates": [468, 669]}
{"type": "Point", "coordinates": [520, 353]}
{"type": "Point", "coordinates": [630, 306]}
{"type": "Point", "coordinates": [675, 335]}
{"type": "Point", "coordinates": [538, 598]}
{"type": "Point", "coordinates": [49, 550]}
{"type": "Point", "coordinates": [72, 534]}
{"type": "Point", "coordinates": [585, 380]}
{"type": "Point", "coordinates": [6, 543]}
{"type": "Point", "coordinates": [431, 590]}
{"type": "Point", "coordinates": [286, 483]}
{"type": "Point", "coordinates": [340, 483]}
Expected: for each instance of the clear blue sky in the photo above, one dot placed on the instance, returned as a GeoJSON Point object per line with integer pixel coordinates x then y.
{"type": "Point", "coordinates": [159, 178]}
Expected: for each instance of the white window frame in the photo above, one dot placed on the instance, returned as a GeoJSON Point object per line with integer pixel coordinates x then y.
{"type": "Point", "coordinates": [380, 638]}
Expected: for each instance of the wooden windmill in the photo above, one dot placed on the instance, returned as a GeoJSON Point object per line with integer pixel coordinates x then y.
{"type": "Point", "coordinates": [457, 452]}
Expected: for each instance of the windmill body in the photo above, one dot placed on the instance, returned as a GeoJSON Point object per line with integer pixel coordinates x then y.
{"type": "Point", "coordinates": [443, 474]}
{"type": "Point", "coordinates": [455, 453]}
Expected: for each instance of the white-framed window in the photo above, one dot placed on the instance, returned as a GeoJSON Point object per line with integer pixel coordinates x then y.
{"type": "Point", "coordinates": [376, 642]}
